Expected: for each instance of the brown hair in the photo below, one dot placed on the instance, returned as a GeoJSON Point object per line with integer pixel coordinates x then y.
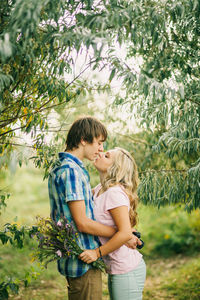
{"type": "Point", "coordinates": [86, 128]}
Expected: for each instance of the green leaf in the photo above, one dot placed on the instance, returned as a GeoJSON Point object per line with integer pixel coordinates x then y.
{"type": "Point", "coordinates": [112, 74]}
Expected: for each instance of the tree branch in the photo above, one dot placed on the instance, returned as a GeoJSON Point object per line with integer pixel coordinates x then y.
{"type": "Point", "coordinates": [138, 141]}
{"type": "Point", "coordinates": [164, 170]}
{"type": "Point", "coordinates": [4, 133]}
{"type": "Point", "coordinates": [8, 121]}
{"type": "Point", "coordinates": [20, 145]}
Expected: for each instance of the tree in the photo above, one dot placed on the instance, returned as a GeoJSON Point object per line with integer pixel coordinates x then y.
{"type": "Point", "coordinates": [38, 42]}
{"type": "Point", "coordinates": [164, 37]}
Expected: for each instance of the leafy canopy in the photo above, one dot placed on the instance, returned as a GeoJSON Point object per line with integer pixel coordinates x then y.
{"type": "Point", "coordinates": [159, 70]}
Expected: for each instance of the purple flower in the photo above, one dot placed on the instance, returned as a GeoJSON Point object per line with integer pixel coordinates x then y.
{"type": "Point", "coordinates": [59, 253]}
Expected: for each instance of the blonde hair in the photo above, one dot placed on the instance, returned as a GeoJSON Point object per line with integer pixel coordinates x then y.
{"type": "Point", "coordinates": [124, 172]}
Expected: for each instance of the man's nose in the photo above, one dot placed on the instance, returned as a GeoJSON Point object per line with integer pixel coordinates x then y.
{"type": "Point", "coordinates": [100, 154]}
{"type": "Point", "coordinates": [101, 148]}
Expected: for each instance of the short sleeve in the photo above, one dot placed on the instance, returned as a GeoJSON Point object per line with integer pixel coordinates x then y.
{"type": "Point", "coordinates": [116, 197]}
{"type": "Point", "coordinates": [71, 185]}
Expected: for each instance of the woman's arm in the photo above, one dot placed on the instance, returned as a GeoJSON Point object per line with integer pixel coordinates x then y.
{"type": "Point", "coordinates": [120, 216]}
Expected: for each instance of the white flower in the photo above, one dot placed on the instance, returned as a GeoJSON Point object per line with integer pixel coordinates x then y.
{"type": "Point", "coordinates": [59, 223]}
{"type": "Point", "coordinates": [59, 253]}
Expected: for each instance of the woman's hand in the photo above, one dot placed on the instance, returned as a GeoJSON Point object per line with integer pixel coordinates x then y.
{"type": "Point", "coordinates": [133, 242]}
{"type": "Point", "coordinates": [88, 256]}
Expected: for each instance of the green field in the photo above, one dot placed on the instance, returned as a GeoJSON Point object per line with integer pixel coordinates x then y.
{"type": "Point", "coordinates": [171, 252]}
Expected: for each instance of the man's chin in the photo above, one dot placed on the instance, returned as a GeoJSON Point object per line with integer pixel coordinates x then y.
{"type": "Point", "coordinates": [92, 159]}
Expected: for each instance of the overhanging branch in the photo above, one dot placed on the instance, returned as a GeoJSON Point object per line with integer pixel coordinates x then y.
{"type": "Point", "coordinates": [165, 171]}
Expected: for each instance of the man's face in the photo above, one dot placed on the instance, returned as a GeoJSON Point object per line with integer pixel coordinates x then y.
{"type": "Point", "coordinates": [91, 151]}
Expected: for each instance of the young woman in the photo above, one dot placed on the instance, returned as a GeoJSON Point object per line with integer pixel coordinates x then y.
{"type": "Point", "coordinates": [115, 202]}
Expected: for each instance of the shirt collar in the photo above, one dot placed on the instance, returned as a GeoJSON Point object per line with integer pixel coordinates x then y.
{"type": "Point", "coordinates": [66, 155]}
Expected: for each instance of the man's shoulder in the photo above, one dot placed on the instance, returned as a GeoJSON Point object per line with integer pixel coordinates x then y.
{"type": "Point", "coordinates": [63, 167]}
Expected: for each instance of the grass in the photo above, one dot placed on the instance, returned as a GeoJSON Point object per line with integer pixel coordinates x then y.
{"type": "Point", "coordinates": [170, 274]}
{"type": "Point", "coordinates": [167, 278]}
{"type": "Point", "coordinates": [29, 196]}
{"type": "Point", "coordinates": [173, 278]}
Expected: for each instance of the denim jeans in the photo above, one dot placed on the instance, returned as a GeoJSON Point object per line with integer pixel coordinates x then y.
{"type": "Point", "coordinates": [128, 286]}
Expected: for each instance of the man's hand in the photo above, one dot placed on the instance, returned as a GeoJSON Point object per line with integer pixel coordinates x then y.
{"type": "Point", "coordinates": [88, 256]}
{"type": "Point", "coordinates": [133, 242]}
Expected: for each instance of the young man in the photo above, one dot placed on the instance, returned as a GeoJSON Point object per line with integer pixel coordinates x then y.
{"type": "Point", "coordinates": [71, 196]}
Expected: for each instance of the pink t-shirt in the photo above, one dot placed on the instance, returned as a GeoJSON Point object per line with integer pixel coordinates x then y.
{"type": "Point", "coordinates": [124, 259]}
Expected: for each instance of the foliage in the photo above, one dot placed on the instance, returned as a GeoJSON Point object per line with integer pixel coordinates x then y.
{"type": "Point", "coordinates": [159, 71]}
{"type": "Point", "coordinates": [12, 285]}
{"type": "Point", "coordinates": [37, 43]}
{"type": "Point", "coordinates": [3, 198]}
{"type": "Point", "coordinates": [178, 238]}
{"type": "Point", "coordinates": [169, 187]}
{"type": "Point", "coordinates": [165, 37]}
{"type": "Point", "coordinates": [5, 286]}
{"type": "Point", "coordinates": [58, 240]}
{"type": "Point", "coordinates": [12, 234]}
{"type": "Point", "coordinates": [169, 231]}
{"type": "Point", "coordinates": [16, 237]}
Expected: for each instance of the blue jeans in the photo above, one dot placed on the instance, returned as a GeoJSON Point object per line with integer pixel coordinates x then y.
{"type": "Point", "coordinates": [128, 286]}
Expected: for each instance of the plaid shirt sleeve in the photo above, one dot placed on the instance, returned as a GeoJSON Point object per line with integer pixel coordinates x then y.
{"type": "Point", "coordinates": [64, 185]}
{"type": "Point", "coordinates": [72, 181]}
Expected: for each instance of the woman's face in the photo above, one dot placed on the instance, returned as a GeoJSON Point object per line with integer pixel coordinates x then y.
{"type": "Point", "coordinates": [104, 161]}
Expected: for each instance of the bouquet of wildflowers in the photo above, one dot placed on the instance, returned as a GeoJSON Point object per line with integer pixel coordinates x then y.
{"type": "Point", "coordinates": [56, 240]}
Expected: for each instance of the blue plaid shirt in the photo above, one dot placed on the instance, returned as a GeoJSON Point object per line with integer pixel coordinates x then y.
{"type": "Point", "coordinates": [70, 182]}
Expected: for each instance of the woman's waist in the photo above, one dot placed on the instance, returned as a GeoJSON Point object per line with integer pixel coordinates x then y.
{"type": "Point", "coordinates": [119, 263]}
{"type": "Point", "coordinates": [122, 254]}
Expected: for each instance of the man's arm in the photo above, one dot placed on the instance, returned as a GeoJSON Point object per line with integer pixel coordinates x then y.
{"type": "Point", "coordinates": [121, 218]}
{"type": "Point", "coordinates": [85, 224]}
